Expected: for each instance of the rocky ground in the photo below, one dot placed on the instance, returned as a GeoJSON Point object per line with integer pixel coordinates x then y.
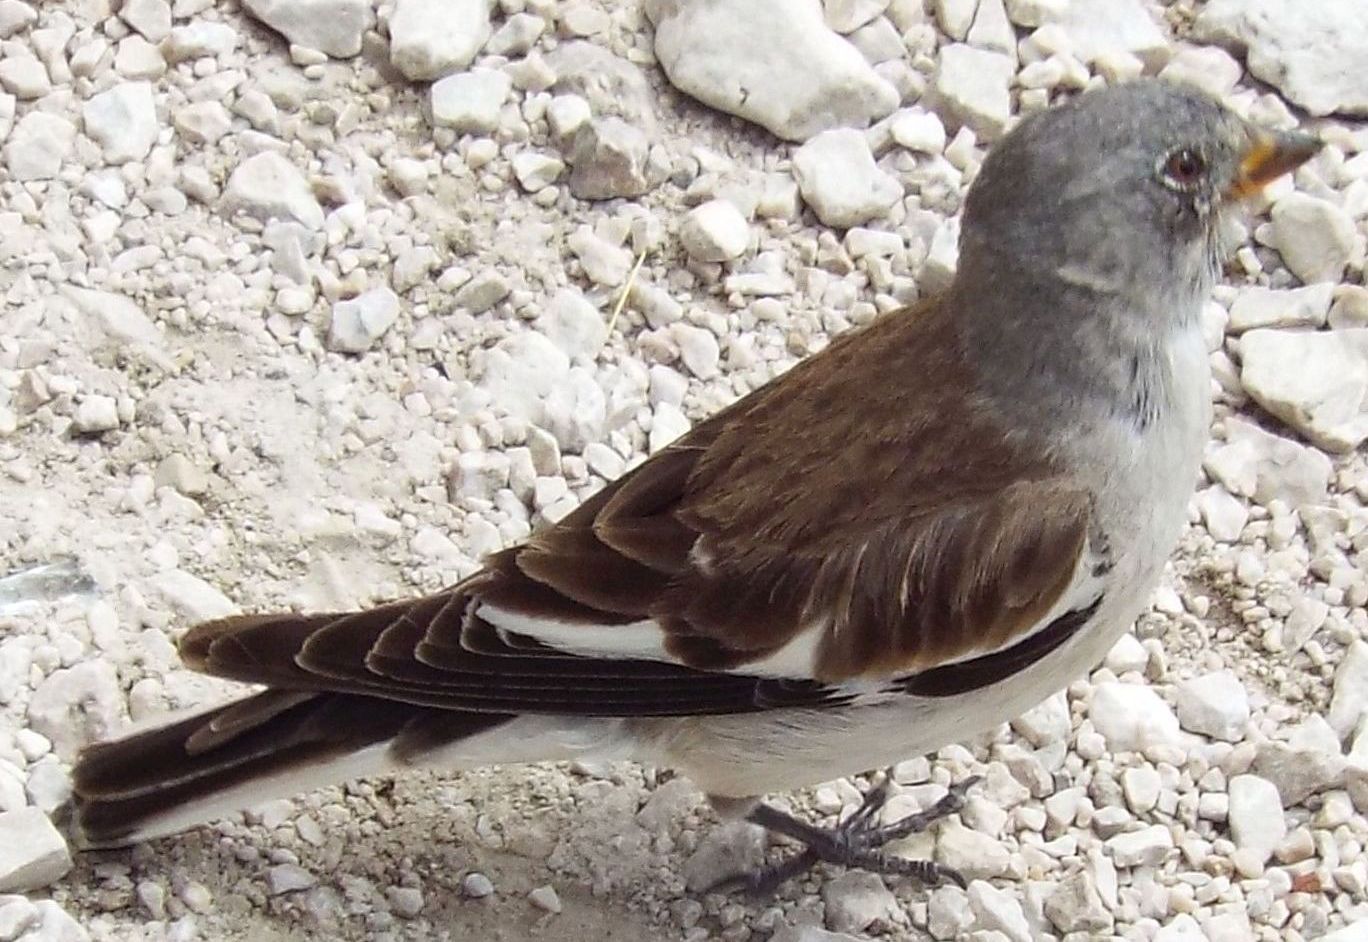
{"type": "Point", "coordinates": [308, 303]}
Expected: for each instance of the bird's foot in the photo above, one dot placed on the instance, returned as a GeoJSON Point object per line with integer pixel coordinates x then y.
{"type": "Point", "coordinates": [855, 842]}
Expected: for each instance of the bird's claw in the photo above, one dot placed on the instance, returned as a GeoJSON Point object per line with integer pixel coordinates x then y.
{"type": "Point", "coordinates": [855, 842]}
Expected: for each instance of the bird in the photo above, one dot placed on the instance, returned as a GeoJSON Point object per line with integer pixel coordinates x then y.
{"type": "Point", "coordinates": [901, 542]}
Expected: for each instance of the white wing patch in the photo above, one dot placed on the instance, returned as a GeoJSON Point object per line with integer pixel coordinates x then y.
{"type": "Point", "coordinates": [638, 639]}
{"type": "Point", "coordinates": [645, 640]}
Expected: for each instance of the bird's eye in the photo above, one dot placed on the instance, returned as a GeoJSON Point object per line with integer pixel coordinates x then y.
{"type": "Point", "coordinates": [1184, 168]}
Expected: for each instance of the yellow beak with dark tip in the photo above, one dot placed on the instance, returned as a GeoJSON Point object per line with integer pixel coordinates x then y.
{"type": "Point", "coordinates": [1270, 155]}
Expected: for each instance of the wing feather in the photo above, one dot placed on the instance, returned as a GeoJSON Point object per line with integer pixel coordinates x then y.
{"type": "Point", "coordinates": [930, 557]}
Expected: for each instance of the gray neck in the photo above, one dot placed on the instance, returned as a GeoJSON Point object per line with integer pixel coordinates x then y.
{"type": "Point", "coordinates": [1056, 345]}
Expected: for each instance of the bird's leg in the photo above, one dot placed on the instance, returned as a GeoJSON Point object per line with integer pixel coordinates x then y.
{"type": "Point", "coordinates": [855, 842]}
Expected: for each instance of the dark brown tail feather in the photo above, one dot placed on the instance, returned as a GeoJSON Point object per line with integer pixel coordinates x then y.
{"type": "Point", "coordinates": [120, 788]}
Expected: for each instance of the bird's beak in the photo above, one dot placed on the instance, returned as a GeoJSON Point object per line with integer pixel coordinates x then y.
{"type": "Point", "coordinates": [1269, 155]}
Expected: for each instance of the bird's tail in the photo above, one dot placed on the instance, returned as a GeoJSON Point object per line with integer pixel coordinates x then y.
{"type": "Point", "coordinates": [270, 745]}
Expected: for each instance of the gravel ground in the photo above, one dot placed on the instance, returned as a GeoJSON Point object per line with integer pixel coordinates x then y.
{"type": "Point", "coordinates": [289, 323]}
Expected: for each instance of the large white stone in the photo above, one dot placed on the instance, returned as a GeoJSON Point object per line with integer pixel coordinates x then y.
{"type": "Point", "coordinates": [1256, 815]}
{"type": "Point", "coordinates": [1269, 307]}
{"type": "Point", "coordinates": [123, 121]}
{"type": "Point", "coordinates": [334, 27]}
{"type": "Point", "coordinates": [840, 181]}
{"type": "Point", "coordinates": [608, 159]}
{"type": "Point", "coordinates": [998, 910]}
{"type": "Point", "coordinates": [267, 186]}
{"type": "Point", "coordinates": [971, 86]}
{"type": "Point", "coordinates": [1349, 704]}
{"type": "Point", "coordinates": [714, 232]}
{"type": "Point", "coordinates": [1146, 847]}
{"type": "Point", "coordinates": [470, 101]}
{"type": "Point", "coordinates": [1257, 464]}
{"type": "Point", "coordinates": [773, 62]}
{"type": "Point", "coordinates": [1315, 381]}
{"type": "Point", "coordinates": [25, 76]}
{"type": "Point", "coordinates": [32, 852]}
{"type": "Point", "coordinates": [359, 322]}
{"type": "Point", "coordinates": [1312, 52]}
{"type": "Point", "coordinates": [432, 38]}
{"type": "Point", "coordinates": [1315, 238]}
{"type": "Point", "coordinates": [1224, 514]}
{"type": "Point", "coordinates": [38, 146]}
{"type": "Point", "coordinates": [77, 704]}
{"type": "Point", "coordinates": [520, 372]}
{"type": "Point", "coordinates": [1131, 717]}
{"type": "Point", "coordinates": [1101, 29]}
{"type": "Point", "coordinates": [1214, 705]}
{"type": "Point", "coordinates": [572, 323]}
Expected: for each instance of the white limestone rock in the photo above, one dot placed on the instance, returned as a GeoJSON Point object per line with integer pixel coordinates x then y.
{"type": "Point", "coordinates": [1257, 306]}
{"type": "Point", "coordinates": [1224, 514]}
{"type": "Point", "coordinates": [1257, 464]}
{"type": "Point", "coordinates": [267, 186]}
{"type": "Point", "coordinates": [25, 77]}
{"type": "Point", "coordinates": [96, 414]}
{"type": "Point", "coordinates": [1075, 906]}
{"type": "Point", "coordinates": [470, 101]}
{"type": "Point", "coordinates": [123, 121]}
{"type": "Point", "coordinates": [724, 852]}
{"type": "Point", "coordinates": [992, 30]}
{"type": "Point", "coordinates": [1256, 815]}
{"type": "Point", "coordinates": [38, 146]}
{"type": "Point", "coordinates": [433, 38]}
{"type": "Point", "coordinates": [520, 372]}
{"type": "Point", "coordinates": [1315, 238]}
{"type": "Point", "coordinates": [971, 87]}
{"type": "Point", "coordinates": [32, 851]}
{"type": "Point", "coordinates": [574, 325]}
{"type": "Point", "coordinates": [919, 130]}
{"type": "Point", "coordinates": [1033, 13]}
{"type": "Point", "coordinates": [1131, 717]}
{"type": "Point", "coordinates": [358, 323]}
{"type": "Point", "coordinates": [15, 16]}
{"type": "Point", "coordinates": [667, 424]}
{"type": "Point", "coordinates": [846, 16]}
{"type": "Point", "coordinates": [1046, 722]}
{"type": "Point", "coordinates": [199, 39]}
{"type": "Point", "coordinates": [517, 35]}
{"type": "Point", "coordinates": [608, 159]}
{"type": "Point", "coordinates": [1315, 381]}
{"type": "Point", "coordinates": [999, 911]}
{"type": "Point", "coordinates": [856, 899]}
{"type": "Point", "coordinates": [1145, 847]}
{"type": "Point", "coordinates": [714, 231]}
{"type": "Point", "coordinates": [1102, 29]}
{"type": "Point", "coordinates": [973, 854]}
{"type": "Point", "coordinates": [151, 18]}
{"type": "Point", "coordinates": [535, 172]}
{"type": "Point", "coordinates": [333, 27]}
{"type": "Point", "coordinates": [190, 596]}
{"type": "Point", "coordinates": [1214, 705]}
{"type": "Point", "coordinates": [839, 179]}
{"type": "Point", "coordinates": [1209, 68]}
{"type": "Point", "coordinates": [75, 705]}
{"type": "Point", "coordinates": [1349, 704]}
{"type": "Point", "coordinates": [802, 79]}
{"type": "Point", "coordinates": [1306, 760]}
{"type": "Point", "coordinates": [1312, 52]}
{"type": "Point", "coordinates": [955, 17]}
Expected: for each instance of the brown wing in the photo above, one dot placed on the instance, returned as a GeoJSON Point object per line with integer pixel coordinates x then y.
{"type": "Point", "coordinates": [865, 497]}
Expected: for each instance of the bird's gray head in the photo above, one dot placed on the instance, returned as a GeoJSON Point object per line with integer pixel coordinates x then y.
{"type": "Point", "coordinates": [1121, 190]}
